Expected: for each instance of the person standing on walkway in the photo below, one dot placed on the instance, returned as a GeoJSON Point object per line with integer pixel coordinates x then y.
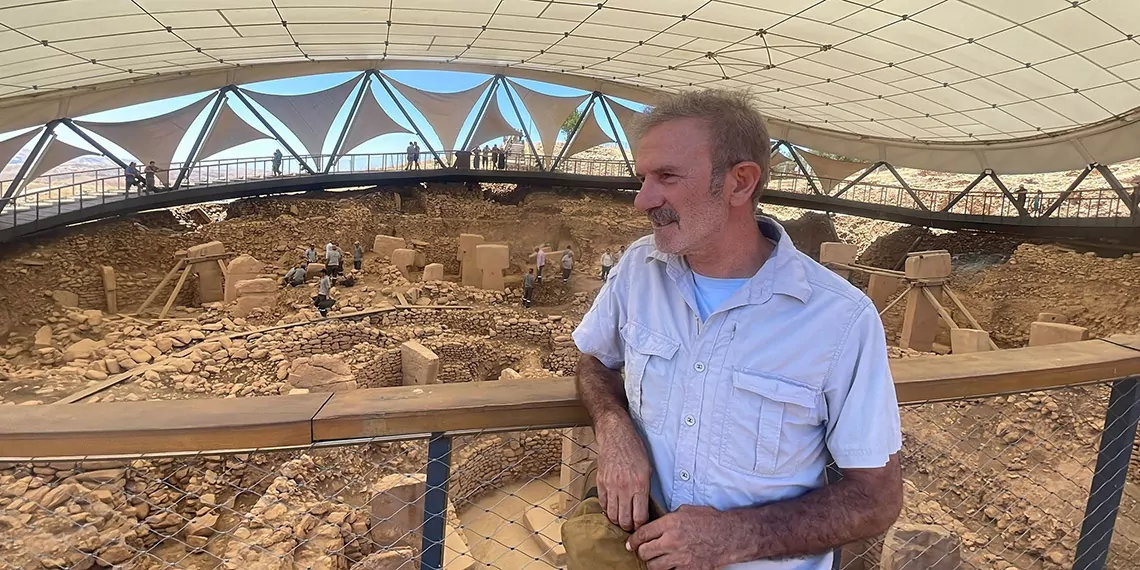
{"type": "Point", "coordinates": [357, 256]}
{"type": "Point", "coordinates": [607, 264]}
{"type": "Point", "coordinates": [411, 152]}
{"type": "Point", "coordinates": [277, 158]}
{"type": "Point", "coordinates": [528, 288]}
{"type": "Point", "coordinates": [475, 158]}
{"type": "Point", "coordinates": [539, 261]}
{"type": "Point", "coordinates": [134, 179]}
{"type": "Point", "coordinates": [1038, 197]}
{"type": "Point", "coordinates": [748, 367]}
{"type": "Point", "coordinates": [311, 254]}
{"type": "Point", "coordinates": [567, 264]}
{"type": "Point", "coordinates": [151, 171]}
{"type": "Point", "coordinates": [334, 260]}
{"type": "Point", "coordinates": [486, 156]}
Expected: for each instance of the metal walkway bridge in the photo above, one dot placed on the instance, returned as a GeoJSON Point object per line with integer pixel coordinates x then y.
{"type": "Point", "coordinates": [60, 200]}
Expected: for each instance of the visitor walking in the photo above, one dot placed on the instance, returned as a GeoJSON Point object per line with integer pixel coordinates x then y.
{"type": "Point", "coordinates": [528, 288]}
{"type": "Point", "coordinates": [322, 299]}
{"type": "Point", "coordinates": [410, 154]}
{"type": "Point", "coordinates": [416, 155]}
{"type": "Point", "coordinates": [151, 171]}
{"type": "Point", "coordinates": [334, 260]}
{"type": "Point", "coordinates": [567, 264]}
{"type": "Point", "coordinates": [277, 158]}
{"type": "Point", "coordinates": [357, 256]}
{"type": "Point", "coordinates": [311, 254]}
{"type": "Point", "coordinates": [607, 264]}
{"type": "Point", "coordinates": [134, 179]}
{"type": "Point", "coordinates": [1037, 199]}
{"type": "Point", "coordinates": [540, 261]}
{"type": "Point", "coordinates": [495, 157]}
{"type": "Point", "coordinates": [296, 276]}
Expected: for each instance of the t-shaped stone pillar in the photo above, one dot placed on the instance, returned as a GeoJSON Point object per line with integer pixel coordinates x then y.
{"type": "Point", "coordinates": [433, 272]}
{"type": "Point", "coordinates": [418, 364]}
{"type": "Point", "coordinates": [838, 252]}
{"type": "Point", "coordinates": [385, 245]}
{"type": "Point", "coordinates": [404, 259]}
{"type": "Point", "coordinates": [468, 265]}
{"type": "Point", "coordinates": [242, 268]}
{"type": "Point", "coordinates": [926, 270]}
{"type": "Point", "coordinates": [211, 285]}
{"type": "Point", "coordinates": [492, 260]}
{"type": "Point", "coordinates": [880, 288]}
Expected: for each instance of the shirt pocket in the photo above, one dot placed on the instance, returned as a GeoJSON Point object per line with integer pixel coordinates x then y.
{"type": "Point", "coordinates": [648, 374]}
{"type": "Point", "coordinates": [770, 424]}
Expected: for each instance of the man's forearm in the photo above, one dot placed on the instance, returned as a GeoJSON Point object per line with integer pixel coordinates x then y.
{"type": "Point", "coordinates": [819, 521]}
{"type": "Point", "coordinates": [601, 391]}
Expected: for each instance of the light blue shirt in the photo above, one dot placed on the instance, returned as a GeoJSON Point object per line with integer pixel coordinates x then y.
{"type": "Point", "coordinates": [746, 408]}
{"type": "Point", "coordinates": [712, 292]}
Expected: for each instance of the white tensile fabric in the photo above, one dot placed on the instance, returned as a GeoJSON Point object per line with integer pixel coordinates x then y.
{"type": "Point", "coordinates": [229, 130]}
{"type": "Point", "coordinates": [445, 112]}
{"type": "Point", "coordinates": [154, 138]}
{"type": "Point", "coordinates": [9, 147]}
{"type": "Point", "coordinates": [548, 113]}
{"type": "Point", "coordinates": [310, 115]}
{"type": "Point", "coordinates": [54, 154]}
{"type": "Point", "coordinates": [830, 171]}
{"type": "Point", "coordinates": [371, 121]}
{"type": "Point", "coordinates": [589, 135]}
{"type": "Point", "coordinates": [492, 125]}
{"type": "Point", "coordinates": [627, 118]}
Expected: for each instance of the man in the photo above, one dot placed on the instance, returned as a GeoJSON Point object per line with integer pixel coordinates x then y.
{"type": "Point", "coordinates": [322, 299]}
{"type": "Point", "coordinates": [747, 366]}
{"type": "Point", "coordinates": [416, 155]}
{"type": "Point", "coordinates": [539, 261]}
{"type": "Point", "coordinates": [528, 288]}
{"type": "Point", "coordinates": [311, 254]}
{"type": "Point", "coordinates": [486, 155]}
{"type": "Point", "coordinates": [151, 171]}
{"type": "Point", "coordinates": [1021, 195]}
{"type": "Point", "coordinates": [133, 177]}
{"type": "Point", "coordinates": [296, 276]}
{"type": "Point", "coordinates": [333, 261]}
{"type": "Point", "coordinates": [620, 254]}
{"type": "Point", "coordinates": [328, 249]}
{"type": "Point", "coordinates": [475, 158]}
{"type": "Point", "coordinates": [567, 264]}
{"type": "Point", "coordinates": [607, 264]}
{"type": "Point", "coordinates": [277, 162]}
{"type": "Point", "coordinates": [357, 256]}
{"type": "Point", "coordinates": [410, 153]}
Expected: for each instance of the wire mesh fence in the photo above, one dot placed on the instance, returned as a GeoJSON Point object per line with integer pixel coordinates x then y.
{"type": "Point", "coordinates": [992, 483]}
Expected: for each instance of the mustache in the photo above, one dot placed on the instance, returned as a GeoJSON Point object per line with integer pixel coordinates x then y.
{"type": "Point", "coordinates": [663, 215]}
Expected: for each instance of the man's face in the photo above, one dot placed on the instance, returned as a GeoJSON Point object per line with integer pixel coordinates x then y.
{"type": "Point", "coordinates": [675, 167]}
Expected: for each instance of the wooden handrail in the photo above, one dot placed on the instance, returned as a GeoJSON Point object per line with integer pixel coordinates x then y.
{"type": "Point", "coordinates": [153, 427]}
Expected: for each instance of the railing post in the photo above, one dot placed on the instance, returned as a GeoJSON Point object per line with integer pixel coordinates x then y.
{"type": "Point", "coordinates": [1111, 473]}
{"type": "Point", "coordinates": [435, 501]}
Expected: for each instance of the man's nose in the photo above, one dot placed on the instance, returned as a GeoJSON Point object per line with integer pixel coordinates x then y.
{"type": "Point", "coordinates": [648, 197]}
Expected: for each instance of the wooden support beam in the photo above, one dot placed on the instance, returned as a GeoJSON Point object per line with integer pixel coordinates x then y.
{"type": "Point", "coordinates": [942, 312]}
{"type": "Point", "coordinates": [158, 289]}
{"type": "Point", "coordinates": [174, 293]}
{"type": "Point", "coordinates": [969, 317]}
{"type": "Point", "coordinates": [897, 299]}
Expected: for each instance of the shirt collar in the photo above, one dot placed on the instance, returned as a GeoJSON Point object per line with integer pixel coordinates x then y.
{"type": "Point", "coordinates": [783, 272]}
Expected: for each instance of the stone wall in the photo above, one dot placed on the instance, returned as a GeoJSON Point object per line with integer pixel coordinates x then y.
{"type": "Point", "coordinates": [485, 463]}
{"type": "Point", "coordinates": [330, 338]}
{"type": "Point", "coordinates": [381, 371]}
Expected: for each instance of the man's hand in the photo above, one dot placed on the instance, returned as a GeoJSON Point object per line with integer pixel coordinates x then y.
{"type": "Point", "coordinates": [689, 539]}
{"type": "Point", "coordinates": [623, 474]}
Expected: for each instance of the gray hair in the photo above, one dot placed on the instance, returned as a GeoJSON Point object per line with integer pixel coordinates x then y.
{"type": "Point", "coordinates": [736, 129]}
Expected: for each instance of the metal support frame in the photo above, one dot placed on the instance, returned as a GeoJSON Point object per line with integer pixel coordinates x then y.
{"type": "Point", "coordinates": [479, 115]}
{"type": "Point", "coordinates": [1121, 193]}
{"type": "Point", "coordinates": [617, 139]}
{"type": "Point", "coordinates": [384, 83]}
{"type": "Point", "coordinates": [82, 134]}
{"type": "Point", "coordinates": [1068, 191]}
{"type": "Point", "coordinates": [954, 201]}
{"type": "Point", "coordinates": [1021, 211]}
{"type": "Point", "coordinates": [803, 168]}
{"type": "Point", "coordinates": [336, 149]}
{"type": "Point", "coordinates": [858, 179]}
{"type": "Point", "coordinates": [30, 161]}
{"type": "Point", "coordinates": [522, 123]}
{"type": "Point", "coordinates": [581, 118]}
{"type": "Point", "coordinates": [906, 186]}
{"type": "Point", "coordinates": [241, 96]}
{"type": "Point", "coordinates": [206, 128]}
{"type": "Point", "coordinates": [1112, 462]}
{"type": "Point", "coordinates": [435, 501]}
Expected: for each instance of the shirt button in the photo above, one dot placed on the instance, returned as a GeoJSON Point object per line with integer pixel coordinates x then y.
{"type": "Point", "coordinates": [699, 367]}
{"type": "Point", "coordinates": [684, 475]}
{"type": "Point", "coordinates": [690, 420]}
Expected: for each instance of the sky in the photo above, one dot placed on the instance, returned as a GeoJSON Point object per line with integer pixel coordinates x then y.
{"type": "Point", "coordinates": [436, 81]}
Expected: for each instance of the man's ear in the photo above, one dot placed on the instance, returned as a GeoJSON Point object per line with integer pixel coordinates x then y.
{"type": "Point", "coordinates": [742, 181]}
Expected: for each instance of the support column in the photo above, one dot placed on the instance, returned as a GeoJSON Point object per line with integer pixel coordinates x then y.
{"type": "Point", "coordinates": [435, 501]}
{"type": "Point", "coordinates": [927, 270]}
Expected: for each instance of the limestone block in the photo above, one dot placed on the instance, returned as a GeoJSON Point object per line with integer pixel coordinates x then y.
{"type": "Point", "coordinates": [921, 320]}
{"type": "Point", "coordinates": [492, 259]}
{"type": "Point", "coordinates": [211, 286]}
{"type": "Point", "coordinates": [397, 509]}
{"type": "Point", "coordinates": [1041, 334]}
{"type": "Point", "coordinates": [579, 460]}
{"type": "Point", "coordinates": [43, 336]}
{"type": "Point", "coordinates": [838, 252]}
{"type": "Point", "coordinates": [313, 269]}
{"type": "Point", "coordinates": [110, 288]}
{"type": "Point", "coordinates": [546, 529]}
{"type": "Point", "coordinates": [255, 286]}
{"type": "Point", "coordinates": [241, 268]}
{"type": "Point", "coordinates": [964, 341]}
{"type": "Point", "coordinates": [881, 288]}
{"type": "Point", "coordinates": [421, 258]}
{"type": "Point", "coordinates": [404, 259]}
{"type": "Point", "coordinates": [418, 363]}
{"type": "Point", "coordinates": [246, 305]}
{"type": "Point", "coordinates": [468, 265]}
{"type": "Point", "coordinates": [920, 547]}
{"type": "Point", "coordinates": [385, 245]}
{"type": "Point", "coordinates": [321, 373]}
{"type": "Point", "coordinates": [1052, 318]}
{"type": "Point", "coordinates": [82, 349]}
{"type": "Point", "coordinates": [928, 265]}
{"type": "Point", "coordinates": [65, 298]}
{"type": "Point", "coordinates": [395, 559]}
{"type": "Point", "coordinates": [94, 317]}
{"type": "Point", "coordinates": [433, 272]}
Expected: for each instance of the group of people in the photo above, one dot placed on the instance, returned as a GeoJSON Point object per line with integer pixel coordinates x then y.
{"type": "Point", "coordinates": [1022, 196]}
{"type": "Point", "coordinates": [493, 157]}
{"type": "Point", "coordinates": [145, 180]}
{"type": "Point", "coordinates": [534, 277]}
{"type": "Point", "coordinates": [413, 152]}
{"type": "Point", "coordinates": [334, 269]}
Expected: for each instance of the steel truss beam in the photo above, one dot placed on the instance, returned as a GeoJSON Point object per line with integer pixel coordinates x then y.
{"type": "Point", "coordinates": [522, 123]}
{"type": "Point", "coordinates": [617, 139]}
{"type": "Point", "coordinates": [578, 127]}
{"type": "Point", "coordinates": [384, 83]}
{"type": "Point", "coordinates": [361, 91]}
{"type": "Point", "coordinates": [241, 96]}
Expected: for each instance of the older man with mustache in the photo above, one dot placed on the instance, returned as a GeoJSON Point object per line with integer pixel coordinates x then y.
{"type": "Point", "coordinates": [746, 366]}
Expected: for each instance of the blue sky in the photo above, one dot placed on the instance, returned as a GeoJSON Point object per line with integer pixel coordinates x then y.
{"type": "Point", "coordinates": [438, 81]}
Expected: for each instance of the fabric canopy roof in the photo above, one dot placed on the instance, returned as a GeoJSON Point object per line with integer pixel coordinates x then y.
{"type": "Point", "coordinates": [310, 115]}
{"type": "Point", "coordinates": [154, 138]}
{"type": "Point", "coordinates": [229, 130]}
{"type": "Point", "coordinates": [962, 85]}
{"type": "Point", "coordinates": [627, 118]}
{"type": "Point", "coordinates": [371, 121]}
{"type": "Point", "coordinates": [492, 125]}
{"type": "Point", "coordinates": [55, 154]}
{"type": "Point", "coordinates": [446, 112]}
{"type": "Point", "coordinates": [9, 147]}
{"type": "Point", "coordinates": [589, 135]}
{"type": "Point", "coordinates": [830, 171]}
{"type": "Point", "coordinates": [548, 113]}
